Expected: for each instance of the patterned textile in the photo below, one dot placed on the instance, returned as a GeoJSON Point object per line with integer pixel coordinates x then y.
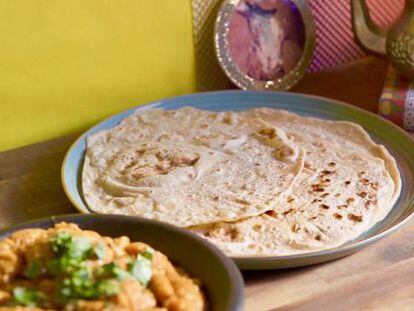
{"type": "Point", "coordinates": [335, 42]}
{"type": "Point", "coordinates": [397, 100]}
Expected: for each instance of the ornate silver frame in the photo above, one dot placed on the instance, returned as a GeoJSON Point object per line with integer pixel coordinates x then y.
{"type": "Point", "coordinates": [240, 78]}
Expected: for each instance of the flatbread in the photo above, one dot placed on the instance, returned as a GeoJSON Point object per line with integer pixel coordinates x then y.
{"type": "Point", "coordinates": [348, 184]}
{"type": "Point", "coordinates": [189, 167]}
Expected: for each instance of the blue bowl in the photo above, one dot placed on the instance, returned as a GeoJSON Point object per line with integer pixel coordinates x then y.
{"type": "Point", "coordinates": [398, 142]}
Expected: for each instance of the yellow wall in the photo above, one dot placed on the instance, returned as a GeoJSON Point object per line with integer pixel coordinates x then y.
{"type": "Point", "coordinates": [66, 64]}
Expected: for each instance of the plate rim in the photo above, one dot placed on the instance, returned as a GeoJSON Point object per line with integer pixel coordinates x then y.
{"type": "Point", "coordinates": [254, 262]}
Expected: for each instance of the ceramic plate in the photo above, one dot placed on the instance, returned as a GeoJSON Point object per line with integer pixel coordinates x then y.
{"type": "Point", "coordinates": [222, 281]}
{"type": "Point", "coordinates": [398, 142]}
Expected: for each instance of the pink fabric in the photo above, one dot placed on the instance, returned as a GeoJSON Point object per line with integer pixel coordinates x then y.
{"type": "Point", "coordinates": [335, 42]}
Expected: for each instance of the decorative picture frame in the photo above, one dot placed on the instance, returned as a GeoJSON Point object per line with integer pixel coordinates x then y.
{"type": "Point", "coordinates": [260, 23]}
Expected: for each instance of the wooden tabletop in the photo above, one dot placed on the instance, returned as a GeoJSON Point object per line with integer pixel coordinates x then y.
{"type": "Point", "coordinates": [380, 277]}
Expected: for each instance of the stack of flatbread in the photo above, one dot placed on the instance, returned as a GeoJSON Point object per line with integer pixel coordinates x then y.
{"type": "Point", "coordinates": [255, 183]}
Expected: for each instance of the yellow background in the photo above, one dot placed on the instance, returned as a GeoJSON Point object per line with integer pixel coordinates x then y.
{"type": "Point", "coordinates": [66, 64]}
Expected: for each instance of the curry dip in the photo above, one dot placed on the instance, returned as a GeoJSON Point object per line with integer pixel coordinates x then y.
{"type": "Point", "coordinates": [66, 268]}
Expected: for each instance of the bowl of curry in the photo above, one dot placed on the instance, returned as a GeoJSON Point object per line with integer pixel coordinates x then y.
{"type": "Point", "coordinates": [108, 262]}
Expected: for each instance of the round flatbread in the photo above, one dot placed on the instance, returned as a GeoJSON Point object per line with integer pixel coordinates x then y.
{"type": "Point", "coordinates": [189, 167]}
{"type": "Point", "coordinates": [348, 184]}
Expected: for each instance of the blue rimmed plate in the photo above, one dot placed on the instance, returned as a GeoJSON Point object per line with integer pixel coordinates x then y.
{"type": "Point", "coordinates": [398, 142]}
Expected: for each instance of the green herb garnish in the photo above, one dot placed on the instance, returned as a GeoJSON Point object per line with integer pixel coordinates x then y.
{"type": "Point", "coordinates": [71, 252]}
{"type": "Point", "coordinates": [141, 269]}
{"type": "Point", "coordinates": [99, 251]}
{"type": "Point", "coordinates": [112, 270]}
{"type": "Point", "coordinates": [77, 280]}
{"type": "Point", "coordinates": [26, 297]}
{"type": "Point", "coordinates": [33, 269]}
{"type": "Point", "coordinates": [79, 285]}
{"type": "Point", "coordinates": [82, 285]}
{"type": "Point", "coordinates": [108, 287]}
{"type": "Point", "coordinates": [71, 246]}
{"type": "Point", "coordinates": [147, 254]}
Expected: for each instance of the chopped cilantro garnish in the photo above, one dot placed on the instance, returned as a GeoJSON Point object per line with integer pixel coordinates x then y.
{"type": "Point", "coordinates": [147, 254]}
{"type": "Point", "coordinates": [60, 241]}
{"type": "Point", "coordinates": [71, 246]}
{"type": "Point", "coordinates": [79, 282]}
{"type": "Point", "coordinates": [108, 287]}
{"type": "Point", "coordinates": [33, 269]}
{"type": "Point", "coordinates": [141, 269]}
{"type": "Point", "coordinates": [63, 265]}
{"type": "Point", "coordinates": [99, 251]}
{"type": "Point", "coordinates": [71, 251]}
{"type": "Point", "coordinates": [79, 285]}
{"type": "Point", "coordinates": [112, 270]}
{"type": "Point", "coordinates": [26, 297]}
{"type": "Point", "coordinates": [77, 279]}
{"type": "Point", "coordinates": [80, 247]}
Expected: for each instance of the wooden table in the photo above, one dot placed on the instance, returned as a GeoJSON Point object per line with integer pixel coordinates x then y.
{"type": "Point", "coordinates": [381, 277]}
